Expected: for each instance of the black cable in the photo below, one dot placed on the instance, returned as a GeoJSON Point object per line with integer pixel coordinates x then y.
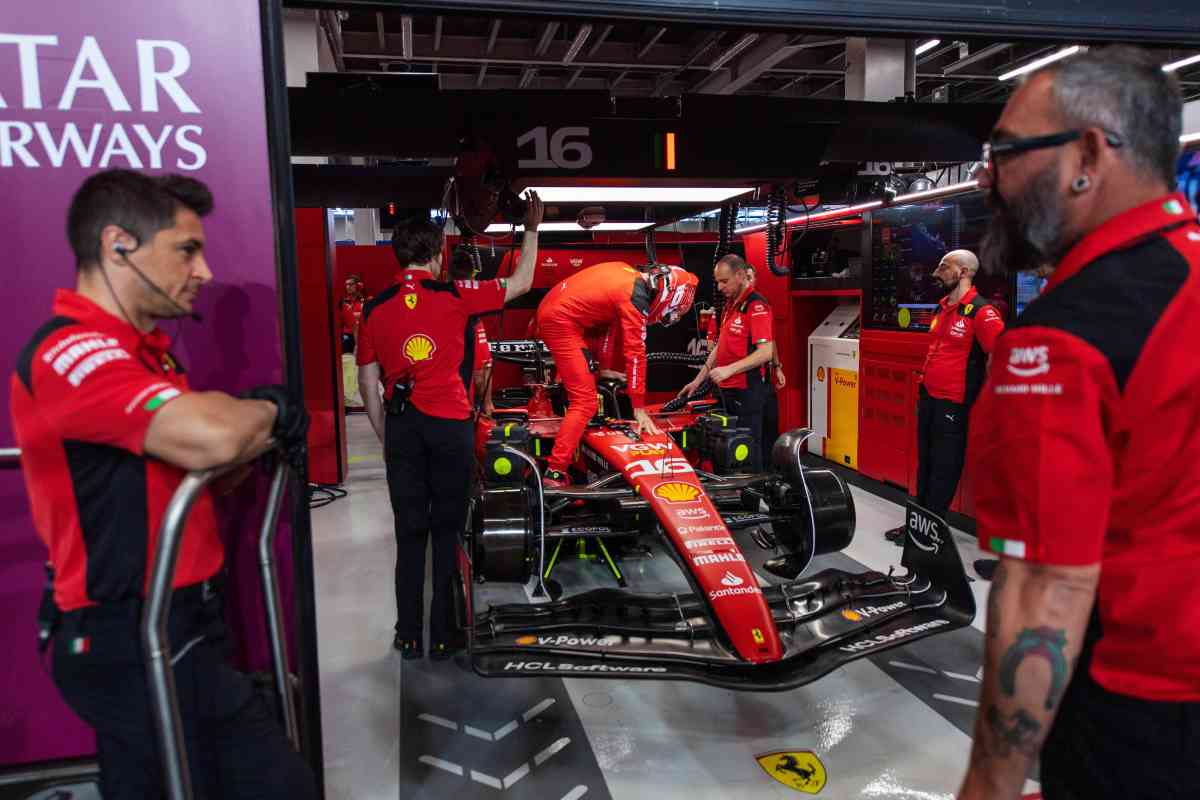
{"type": "Point", "coordinates": [776, 230]}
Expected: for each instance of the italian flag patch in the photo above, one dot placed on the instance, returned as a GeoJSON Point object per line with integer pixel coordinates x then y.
{"type": "Point", "coordinates": [81, 644]}
{"type": "Point", "coordinates": [156, 402]}
{"type": "Point", "coordinates": [1007, 547]}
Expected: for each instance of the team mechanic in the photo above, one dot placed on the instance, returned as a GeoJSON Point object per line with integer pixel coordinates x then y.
{"type": "Point", "coordinates": [592, 302]}
{"type": "Point", "coordinates": [1088, 472]}
{"type": "Point", "coordinates": [962, 334]}
{"type": "Point", "coordinates": [739, 364]}
{"type": "Point", "coordinates": [418, 338]}
{"type": "Point", "coordinates": [108, 426]}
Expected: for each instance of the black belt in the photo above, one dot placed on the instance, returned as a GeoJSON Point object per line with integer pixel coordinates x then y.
{"type": "Point", "coordinates": [185, 598]}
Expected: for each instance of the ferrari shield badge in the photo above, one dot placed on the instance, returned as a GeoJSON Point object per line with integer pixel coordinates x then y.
{"type": "Point", "coordinates": [800, 769]}
{"type": "Point", "coordinates": [410, 300]}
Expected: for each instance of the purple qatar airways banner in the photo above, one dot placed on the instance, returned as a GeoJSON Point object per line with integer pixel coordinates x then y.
{"type": "Point", "coordinates": [173, 86]}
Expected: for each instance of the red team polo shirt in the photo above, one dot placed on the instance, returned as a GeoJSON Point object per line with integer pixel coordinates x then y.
{"type": "Point", "coordinates": [351, 313]}
{"type": "Point", "coordinates": [962, 336]}
{"type": "Point", "coordinates": [419, 328]}
{"type": "Point", "coordinates": [86, 387]}
{"type": "Point", "coordinates": [748, 323]}
{"type": "Point", "coordinates": [1085, 442]}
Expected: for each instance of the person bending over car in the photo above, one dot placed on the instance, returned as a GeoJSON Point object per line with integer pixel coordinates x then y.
{"type": "Point", "coordinates": [587, 304]}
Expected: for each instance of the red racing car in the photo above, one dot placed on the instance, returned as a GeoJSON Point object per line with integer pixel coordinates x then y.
{"type": "Point", "coordinates": [683, 491]}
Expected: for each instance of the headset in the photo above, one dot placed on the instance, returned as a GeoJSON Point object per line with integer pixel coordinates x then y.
{"type": "Point", "coordinates": [124, 254]}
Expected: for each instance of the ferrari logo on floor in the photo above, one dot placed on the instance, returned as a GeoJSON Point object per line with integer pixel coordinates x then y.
{"type": "Point", "coordinates": [410, 300]}
{"type": "Point", "coordinates": [800, 770]}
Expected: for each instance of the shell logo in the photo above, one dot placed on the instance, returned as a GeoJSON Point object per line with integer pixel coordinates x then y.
{"type": "Point", "coordinates": [820, 373]}
{"type": "Point", "coordinates": [526, 640]}
{"type": "Point", "coordinates": [853, 616]}
{"type": "Point", "coordinates": [419, 347]}
{"type": "Point", "coordinates": [677, 492]}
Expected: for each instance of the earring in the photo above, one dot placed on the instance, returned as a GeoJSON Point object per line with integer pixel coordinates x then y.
{"type": "Point", "coordinates": [1081, 184]}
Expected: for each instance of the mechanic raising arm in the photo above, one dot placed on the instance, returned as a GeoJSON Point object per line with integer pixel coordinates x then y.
{"type": "Point", "coordinates": [592, 301]}
{"type": "Point", "coordinates": [745, 348]}
{"type": "Point", "coordinates": [108, 427]}
{"type": "Point", "coordinates": [419, 338]}
{"type": "Point", "coordinates": [1087, 472]}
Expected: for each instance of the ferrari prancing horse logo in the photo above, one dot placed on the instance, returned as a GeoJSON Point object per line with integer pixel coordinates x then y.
{"type": "Point", "coordinates": [410, 300]}
{"type": "Point", "coordinates": [799, 769]}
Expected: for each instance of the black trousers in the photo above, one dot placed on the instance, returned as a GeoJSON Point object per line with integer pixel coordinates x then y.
{"type": "Point", "coordinates": [235, 746]}
{"type": "Point", "coordinates": [941, 451]}
{"type": "Point", "coordinates": [429, 462]}
{"type": "Point", "coordinates": [750, 405]}
{"type": "Point", "coordinates": [1108, 746]}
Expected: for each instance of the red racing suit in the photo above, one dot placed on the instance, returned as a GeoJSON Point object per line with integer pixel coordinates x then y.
{"type": "Point", "coordinates": [1085, 443]}
{"type": "Point", "coordinates": [589, 303]}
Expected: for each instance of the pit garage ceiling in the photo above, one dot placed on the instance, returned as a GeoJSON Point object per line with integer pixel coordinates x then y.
{"type": "Point", "coordinates": [471, 46]}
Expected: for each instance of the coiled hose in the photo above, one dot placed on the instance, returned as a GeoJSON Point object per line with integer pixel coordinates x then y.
{"type": "Point", "coordinates": [776, 230]}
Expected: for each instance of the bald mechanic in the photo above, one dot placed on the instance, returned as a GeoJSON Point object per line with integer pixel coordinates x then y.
{"type": "Point", "coordinates": [589, 303]}
{"type": "Point", "coordinates": [108, 428]}
{"type": "Point", "coordinates": [1087, 473]}
{"type": "Point", "coordinates": [961, 337]}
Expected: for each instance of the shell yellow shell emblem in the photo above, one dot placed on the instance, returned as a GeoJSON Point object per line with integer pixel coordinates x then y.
{"type": "Point", "coordinates": [410, 300]}
{"type": "Point", "coordinates": [526, 640]}
{"type": "Point", "coordinates": [419, 347]}
{"type": "Point", "coordinates": [853, 616]}
{"type": "Point", "coordinates": [677, 492]}
{"type": "Point", "coordinates": [800, 769]}
{"type": "Point", "coordinates": [820, 373]}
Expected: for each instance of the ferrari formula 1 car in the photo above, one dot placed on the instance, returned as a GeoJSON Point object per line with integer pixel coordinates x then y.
{"type": "Point", "coordinates": [685, 489]}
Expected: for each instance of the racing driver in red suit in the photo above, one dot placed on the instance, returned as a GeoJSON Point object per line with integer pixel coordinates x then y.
{"type": "Point", "coordinates": [589, 303]}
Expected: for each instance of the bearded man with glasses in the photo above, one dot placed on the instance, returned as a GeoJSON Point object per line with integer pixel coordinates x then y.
{"type": "Point", "coordinates": [1088, 469]}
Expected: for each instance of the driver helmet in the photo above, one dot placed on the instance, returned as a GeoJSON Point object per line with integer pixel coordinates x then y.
{"type": "Point", "coordinates": [674, 290]}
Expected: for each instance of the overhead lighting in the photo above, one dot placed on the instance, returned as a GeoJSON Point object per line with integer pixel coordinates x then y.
{"type": "Point", "coordinates": [1066, 52]}
{"type": "Point", "coordinates": [560, 227]}
{"type": "Point", "coordinates": [577, 43]}
{"type": "Point", "coordinates": [738, 46]}
{"type": "Point", "coordinates": [925, 48]}
{"type": "Point", "coordinates": [1188, 138]}
{"type": "Point", "coordinates": [1181, 63]}
{"type": "Point", "coordinates": [639, 194]}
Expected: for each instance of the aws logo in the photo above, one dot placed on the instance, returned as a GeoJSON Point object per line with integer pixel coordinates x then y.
{"type": "Point", "coordinates": [419, 347]}
{"type": "Point", "coordinates": [1026, 362]}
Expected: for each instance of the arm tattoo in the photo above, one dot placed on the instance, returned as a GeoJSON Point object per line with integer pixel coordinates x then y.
{"type": "Point", "coordinates": [1018, 732]}
{"type": "Point", "coordinates": [1043, 642]}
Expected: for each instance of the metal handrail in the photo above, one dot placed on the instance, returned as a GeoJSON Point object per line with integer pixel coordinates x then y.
{"type": "Point", "coordinates": [156, 643]}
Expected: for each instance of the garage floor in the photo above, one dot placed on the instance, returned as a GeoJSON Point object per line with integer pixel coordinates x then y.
{"type": "Point", "coordinates": [891, 726]}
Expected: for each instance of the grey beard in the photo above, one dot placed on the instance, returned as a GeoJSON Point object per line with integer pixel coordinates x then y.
{"type": "Point", "coordinates": [1029, 233]}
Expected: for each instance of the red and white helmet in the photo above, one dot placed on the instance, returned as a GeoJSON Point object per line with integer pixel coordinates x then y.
{"type": "Point", "coordinates": [674, 290]}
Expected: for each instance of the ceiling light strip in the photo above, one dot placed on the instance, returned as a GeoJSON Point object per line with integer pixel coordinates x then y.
{"type": "Point", "coordinates": [640, 194]}
{"type": "Point", "coordinates": [925, 48]}
{"type": "Point", "coordinates": [1181, 63]}
{"type": "Point", "coordinates": [561, 227]}
{"type": "Point", "coordinates": [1066, 52]}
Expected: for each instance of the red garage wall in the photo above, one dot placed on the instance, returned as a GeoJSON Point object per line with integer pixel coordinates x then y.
{"type": "Point", "coordinates": [320, 343]}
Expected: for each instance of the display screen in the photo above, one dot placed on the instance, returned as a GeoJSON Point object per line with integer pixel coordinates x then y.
{"type": "Point", "coordinates": [1029, 286]}
{"type": "Point", "coordinates": [1188, 174]}
{"type": "Point", "coordinates": [907, 243]}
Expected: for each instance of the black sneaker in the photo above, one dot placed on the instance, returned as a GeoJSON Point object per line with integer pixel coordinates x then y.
{"type": "Point", "coordinates": [409, 648]}
{"type": "Point", "coordinates": [986, 567]}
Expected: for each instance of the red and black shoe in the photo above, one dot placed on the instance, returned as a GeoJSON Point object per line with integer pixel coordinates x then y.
{"type": "Point", "coordinates": [409, 648]}
{"type": "Point", "coordinates": [553, 479]}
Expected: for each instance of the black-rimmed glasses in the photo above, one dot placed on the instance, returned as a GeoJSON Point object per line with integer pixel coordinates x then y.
{"type": "Point", "coordinates": [994, 151]}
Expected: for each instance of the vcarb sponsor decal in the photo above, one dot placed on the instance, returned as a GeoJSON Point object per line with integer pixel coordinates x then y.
{"type": "Point", "coordinates": [1026, 362]}
{"type": "Point", "coordinates": [686, 530]}
{"type": "Point", "coordinates": [718, 558]}
{"type": "Point", "coordinates": [564, 640]}
{"type": "Point", "coordinates": [547, 666]}
{"type": "Point", "coordinates": [888, 638]}
{"type": "Point", "coordinates": [693, 513]}
{"type": "Point", "coordinates": [866, 612]}
{"type": "Point", "coordinates": [700, 544]}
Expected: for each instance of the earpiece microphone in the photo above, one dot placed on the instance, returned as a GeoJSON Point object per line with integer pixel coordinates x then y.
{"type": "Point", "coordinates": [124, 254]}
